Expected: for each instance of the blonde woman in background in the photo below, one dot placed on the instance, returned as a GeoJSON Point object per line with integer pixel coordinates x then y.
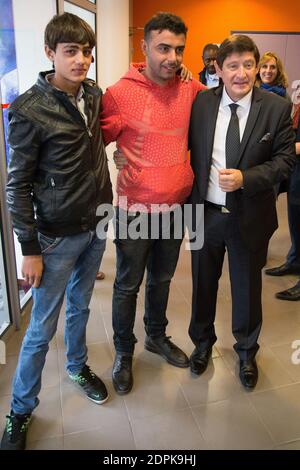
{"type": "Point", "coordinates": [271, 75]}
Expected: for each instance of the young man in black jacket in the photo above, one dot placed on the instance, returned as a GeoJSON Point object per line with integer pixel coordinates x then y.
{"type": "Point", "coordinates": [57, 178]}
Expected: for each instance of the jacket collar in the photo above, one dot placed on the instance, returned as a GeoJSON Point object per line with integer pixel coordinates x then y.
{"type": "Point", "coordinates": [213, 114]}
{"type": "Point", "coordinates": [252, 118]}
{"type": "Point", "coordinates": [88, 85]}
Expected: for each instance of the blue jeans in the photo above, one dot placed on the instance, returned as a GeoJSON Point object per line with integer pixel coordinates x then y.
{"type": "Point", "coordinates": [70, 267]}
{"type": "Point", "coordinates": [160, 257]}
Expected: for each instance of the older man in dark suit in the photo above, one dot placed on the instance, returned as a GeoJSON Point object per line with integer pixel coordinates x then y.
{"type": "Point", "coordinates": [242, 144]}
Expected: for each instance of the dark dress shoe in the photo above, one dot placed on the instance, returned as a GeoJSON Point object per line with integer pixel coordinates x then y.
{"type": "Point", "coordinates": [248, 373]}
{"type": "Point", "coordinates": [122, 373]}
{"type": "Point", "coordinates": [199, 360]}
{"type": "Point", "coordinates": [290, 294]}
{"type": "Point", "coordinates": [283, 270]}
{"type": "Point", "coordinates": [168, 350]}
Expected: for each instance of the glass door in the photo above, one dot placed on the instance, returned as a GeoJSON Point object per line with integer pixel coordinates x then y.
{"type": "Point", "coordinates": [5, 318]}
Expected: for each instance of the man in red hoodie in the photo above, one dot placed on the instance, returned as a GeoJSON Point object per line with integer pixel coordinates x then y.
{"type": "Point", "coordinates": [147, 113]}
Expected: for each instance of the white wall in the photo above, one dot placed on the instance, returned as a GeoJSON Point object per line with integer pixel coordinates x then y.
{"type": "Point", "coordinates": [30, 19]}
{"type": "Point", "coordinates": [113, 40]}
{"type": "Point", "coordinates": [112, 50]}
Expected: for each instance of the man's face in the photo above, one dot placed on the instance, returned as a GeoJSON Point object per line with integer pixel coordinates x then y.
{"type": "Point", "coordinates": [71, 63]}
{"type": "Point", "coordinates": [209, 58]}
{"type": "Point", "coordinates": [238, 74]}
{"type": "Point", "coordinates": [164, 54]}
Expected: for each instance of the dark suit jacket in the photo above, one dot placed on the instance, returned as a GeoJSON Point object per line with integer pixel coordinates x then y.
{"type": "Point", "coordinates": [267, 156]}
{"type": "Point", "coordinates": [294, 183]}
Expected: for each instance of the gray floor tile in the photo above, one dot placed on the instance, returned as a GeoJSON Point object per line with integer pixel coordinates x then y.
{"type": "Point", "coordinates": [279, 409]}
{"type": "Point", "coordinates": [175, 430]}
{"type": "Point", "coordinates": [154, 392]}
{"type": "Point", "coordinates": [232, 424]}
{"type": "Point", "coordinates": [109, 436]}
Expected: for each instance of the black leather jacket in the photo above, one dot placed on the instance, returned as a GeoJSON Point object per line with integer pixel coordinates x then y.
{"type": "Point", "coordinates": [58, 173]}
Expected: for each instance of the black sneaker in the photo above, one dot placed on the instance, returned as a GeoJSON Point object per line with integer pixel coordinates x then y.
{"type": "Point", "coordinates": [93, 387]}
{"type": "Point", "coordinates": [14, 436]}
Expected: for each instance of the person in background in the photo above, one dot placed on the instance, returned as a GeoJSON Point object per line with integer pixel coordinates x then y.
{"type": "Point", "coordinates": [296, 103]}
{"type": "Point", "coordinates": [271, 75]}
{"type": "Point", "coordinates": [292, 263]}
{"type": "Point", "coordinates": [242, 144]}
{"type": "Point", "coordinates": [208, 75]}
{"type": "Point", "coordinates": [57, 178]}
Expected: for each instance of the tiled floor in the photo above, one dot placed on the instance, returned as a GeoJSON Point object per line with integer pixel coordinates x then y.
{"type": "Point", "coordinates": [168, 408]}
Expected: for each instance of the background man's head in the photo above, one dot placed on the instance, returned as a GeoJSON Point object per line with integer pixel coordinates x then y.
{"type": "Point", "coordinates": [163, 46]}
{"type": "Point", "coordinates": [209, 55]}
{"type": "Point", "coordinates": [237, 65]}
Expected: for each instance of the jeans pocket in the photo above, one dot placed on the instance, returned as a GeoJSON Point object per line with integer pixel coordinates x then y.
{"type": "Point", "coordinates": [48, 243]}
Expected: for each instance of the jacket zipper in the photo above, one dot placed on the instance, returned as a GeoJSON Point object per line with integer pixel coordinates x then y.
{"type": "Point", "coordinates": [52, 182]}
{"type": "Point", "coordinates": [92, 168]}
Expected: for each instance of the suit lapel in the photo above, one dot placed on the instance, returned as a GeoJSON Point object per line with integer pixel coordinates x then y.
{"type": "Point", "coordinates": [211, 124]}
{"type": "Point", "coordinates": [253, 115]}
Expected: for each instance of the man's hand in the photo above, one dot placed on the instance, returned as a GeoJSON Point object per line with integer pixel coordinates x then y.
{"type": "Point", "coordinates": [230, 179]}
{"type": "Point", "coordinates": [120, 159]}
{"type": "Point", "coordinates": [185, 74]}
{"type": "Point", "coordinates": [32, 269]}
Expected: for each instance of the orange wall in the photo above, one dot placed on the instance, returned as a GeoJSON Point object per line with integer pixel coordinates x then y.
{"type": "Point", "coordinates": [212, 21]}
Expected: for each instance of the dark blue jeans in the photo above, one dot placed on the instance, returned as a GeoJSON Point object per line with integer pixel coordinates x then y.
{"type": "Point", "coordinates": [293, 256]}
{"type": "Point", "coordinates": [134, 255]}
{"type": "Point", "coordinates": [293, 198]}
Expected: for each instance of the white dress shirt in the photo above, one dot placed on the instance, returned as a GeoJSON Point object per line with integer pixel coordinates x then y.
{"type": "Point", "coordinates": [214, 193]}
{"type": "Point", "coordinates": [212, 80]}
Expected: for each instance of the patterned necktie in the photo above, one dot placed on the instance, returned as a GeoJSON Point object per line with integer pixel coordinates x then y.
{"type": "Point", "coordinates": [233, 138]}
{"type": "Point", "coordinates": [232, 148]}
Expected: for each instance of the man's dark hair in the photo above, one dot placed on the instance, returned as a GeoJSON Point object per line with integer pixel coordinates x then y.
{"type": "Point", "coordinates": [162, 21]}
{"type": "Point", "coordinates": [68, 28]}
{"type": "Point", "coordinates": [236, 44]}
{"type": "Point", "coordinates": [209, 47]}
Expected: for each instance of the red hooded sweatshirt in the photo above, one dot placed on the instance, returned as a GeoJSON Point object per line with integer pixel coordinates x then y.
{"type": "Point", "coordinates": [150, 124]}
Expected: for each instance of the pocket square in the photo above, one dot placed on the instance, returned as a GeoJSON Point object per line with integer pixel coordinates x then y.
{"type": "Point", "coordinates": [265, 138]}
